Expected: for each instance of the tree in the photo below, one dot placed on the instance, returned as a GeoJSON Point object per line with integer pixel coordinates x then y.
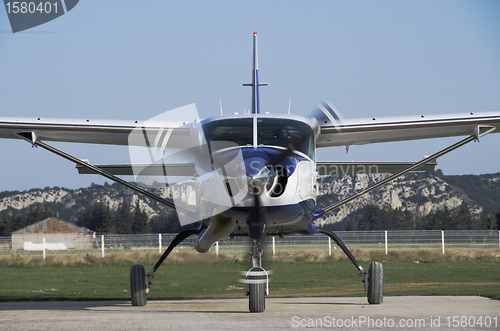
{"type": "Point", "coordinates": [497, 219]}
{"type": "Point", "coordinates": [34, 215]}
{"type": "Point", "coordinates": [351, 225]}
{"type": "Point", "coordinates": [440, 219]}
{"type": "Point", "coordinates": [483, 222]}
{"type": "Point", "coordinates": [141, 218]}
{"type": "Point", "coordinates": [386, 218]}
{"type": "Point", "coordinates": [123, 218]}
{"type": "Point", "coordinates": [18, 221]}
{"type": "Point", "coordinates": [6, 225]}
{"type": "Point", "coordinates": [372, 219]}
{"type": "Point", "coordinates": [462, 219]}
{"type": "Point", "coordinates": [165, 223]}
{"type": "Point", "coordinates": [96, 217]}
{"type": "Point", "coordinates": [397, 219]}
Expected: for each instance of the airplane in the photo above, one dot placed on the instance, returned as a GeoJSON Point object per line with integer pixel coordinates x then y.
{"type": "Point", "coordinates": [254, 175]}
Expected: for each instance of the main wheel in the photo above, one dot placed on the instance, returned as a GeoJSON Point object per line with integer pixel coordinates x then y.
{"type": "Point", "coordinates": [257, 292]}
{"type": "Point", "coordinates": [138, 286]}
{"type": "Point", "coordinates": [376, 283]}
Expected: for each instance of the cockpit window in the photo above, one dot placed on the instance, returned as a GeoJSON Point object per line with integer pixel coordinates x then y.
{"type": "Point", "coordinates": [282, 132]}
{"type": "Point", "coordinates": [270, 132]}
{"type": "Point", "coordinates": [236, 130]}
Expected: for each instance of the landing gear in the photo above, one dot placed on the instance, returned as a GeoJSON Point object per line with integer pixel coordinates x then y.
{"type": "Point", "coordinates": [256, 281]}
{"type": "Point", "coordinates": [375, 283]}
{"type": "Point", "coordinates": [373, 279]}
{"type": "Point", "coordinates": [140, 282]}
{"type": "Point", "coordinates": [138, 286]}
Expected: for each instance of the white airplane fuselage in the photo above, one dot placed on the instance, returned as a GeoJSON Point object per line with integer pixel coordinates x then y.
{"type": "Point", "coordinates": [287, 190]}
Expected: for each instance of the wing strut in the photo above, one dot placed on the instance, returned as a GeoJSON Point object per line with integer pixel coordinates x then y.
{"type": "Point", "coordinates": [479, 132]}
{"type": "Point", "coordinates": [31, 138]}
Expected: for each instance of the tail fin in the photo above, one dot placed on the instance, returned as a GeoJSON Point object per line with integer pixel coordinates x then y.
{"type": "Point", "coordinates": [255, 78]}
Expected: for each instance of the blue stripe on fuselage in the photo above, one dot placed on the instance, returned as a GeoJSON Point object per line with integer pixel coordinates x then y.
{"type": "Point", "coordinates": [267, 154]}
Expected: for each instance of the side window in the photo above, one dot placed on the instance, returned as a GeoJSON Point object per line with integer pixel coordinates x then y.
{"type": "Point", "coordinates": [312, 149]}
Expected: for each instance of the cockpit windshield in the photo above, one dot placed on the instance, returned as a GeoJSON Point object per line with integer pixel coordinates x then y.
{"type": "Point", "coordinates": [282, 132]}
{"type": "Point", "coordinates": [270, 132]}
{"type": "Point", "coordinates": [236, 130]}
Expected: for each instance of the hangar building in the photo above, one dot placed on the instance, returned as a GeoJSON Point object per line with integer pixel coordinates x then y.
{"type": "Point", "coordinates": [59, 235]}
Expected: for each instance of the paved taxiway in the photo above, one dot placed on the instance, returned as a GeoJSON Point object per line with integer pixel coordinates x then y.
{"type": "Point", "coordinates": [403, 313]}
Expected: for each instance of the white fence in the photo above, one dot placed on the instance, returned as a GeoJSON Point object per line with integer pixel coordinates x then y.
{"type": "Point", "coordinates": [362, 240]}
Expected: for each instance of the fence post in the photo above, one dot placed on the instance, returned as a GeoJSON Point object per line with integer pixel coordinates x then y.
{"type": "Point", "coordinates": [102, 245]}
{"type": "Point", "coordinates": [329, 246]}
{"type": "Point", "coordinates": [274, 247]}
{"type": "Point", "coordinates": [216, 248]}
{"type": "Point", "coordinates": [499, 239]}
{"type": "Point", "coordinates": [442, 239]}
{"type": "Point", "coordinates": [44, 248]}
{"type": "Point", "coordinates": [159, 243]}
{"type": "Point", "coordinates": [385, 241]}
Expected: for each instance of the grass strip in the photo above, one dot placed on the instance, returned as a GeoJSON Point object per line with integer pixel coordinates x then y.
{"type": "Point", "coordinates": [90, 277]}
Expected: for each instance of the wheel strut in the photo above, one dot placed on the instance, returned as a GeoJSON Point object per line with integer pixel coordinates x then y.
{"type": "Point", "coordinates": [373, 279]}
{"type": "Point", "coordinates": [347, 252]}
{"type": "Point", "coordinates": [140, 283]}
{"type": "Point", "coordinates": [177, 240]}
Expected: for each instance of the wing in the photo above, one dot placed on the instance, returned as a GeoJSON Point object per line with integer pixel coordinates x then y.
{"type": "Point", "coordinates": [89, 131]}
{"type": "Point", "coordinates": [374, 130]}
{"type": "Point", "coordinates": [347, 168]}
{"type": "Point", "coordinates": [174, 169]}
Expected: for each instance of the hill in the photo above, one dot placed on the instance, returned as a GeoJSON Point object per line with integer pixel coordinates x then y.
{"type": "Point", "coordinates": [419, 193]}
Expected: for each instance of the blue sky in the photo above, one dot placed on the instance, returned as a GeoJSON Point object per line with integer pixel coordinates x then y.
{"type": "Point", "coordinates": [121, 59]}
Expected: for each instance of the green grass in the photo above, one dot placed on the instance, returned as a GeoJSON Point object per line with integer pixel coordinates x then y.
{"type": "Point", "coordinates": [401, 278]}
{"type": "Point", "coordinates": [187, 275]}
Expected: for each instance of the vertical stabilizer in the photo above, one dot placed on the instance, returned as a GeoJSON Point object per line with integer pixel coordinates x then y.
{"type": "Point", "coordinates": [255, 78]}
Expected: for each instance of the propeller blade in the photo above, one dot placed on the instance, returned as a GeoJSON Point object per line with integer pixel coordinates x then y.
{"type": "Point", "coordinates": [290, 148]}
{"type": "Point", "coordinates": [256, 222]}
{"type": "Point", "coordinates": [326, 113]}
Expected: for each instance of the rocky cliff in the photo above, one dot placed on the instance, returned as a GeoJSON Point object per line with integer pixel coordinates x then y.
{"type": "Point", "coordinates": [418, 192]}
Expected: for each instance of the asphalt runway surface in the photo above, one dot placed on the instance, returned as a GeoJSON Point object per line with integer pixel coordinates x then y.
{"type": "Point", "coordinates": [396, 313]}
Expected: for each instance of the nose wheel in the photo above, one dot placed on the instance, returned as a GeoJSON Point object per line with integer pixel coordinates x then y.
{"type": "Point", "coordinates": [256, 281]}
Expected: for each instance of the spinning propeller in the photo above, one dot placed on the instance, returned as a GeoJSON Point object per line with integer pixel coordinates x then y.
{"type": "Point", "coordinates": [263, 179]}
{"type": "Point", "coordinates": [327, 113]}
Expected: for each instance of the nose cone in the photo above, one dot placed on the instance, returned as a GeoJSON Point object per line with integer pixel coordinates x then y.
{"type": "Point", "coordinates": [260, 176]}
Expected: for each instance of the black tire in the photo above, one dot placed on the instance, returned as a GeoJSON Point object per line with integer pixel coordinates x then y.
{"type": "Point", "coordinates": [257, 293]}
{"type": "Point", "coordinates": [376, 283]}
{"type": "Point", "coordinates": [138, 286]}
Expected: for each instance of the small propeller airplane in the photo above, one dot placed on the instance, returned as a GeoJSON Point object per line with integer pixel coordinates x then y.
{"type": "Point", "coordinates": [254, 174]}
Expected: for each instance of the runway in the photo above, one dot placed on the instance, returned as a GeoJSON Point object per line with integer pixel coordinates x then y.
{"type": "Point", "coordinates": [396, 313]}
